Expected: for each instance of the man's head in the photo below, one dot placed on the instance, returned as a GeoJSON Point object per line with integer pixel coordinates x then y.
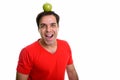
{"type": "Point", "coordinates": [42, 14]}
{"type": "Point", "coordinates": [48, 26]}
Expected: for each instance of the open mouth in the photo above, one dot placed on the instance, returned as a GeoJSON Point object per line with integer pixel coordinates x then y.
{"type": "Point", "coordinates": [49, 36]}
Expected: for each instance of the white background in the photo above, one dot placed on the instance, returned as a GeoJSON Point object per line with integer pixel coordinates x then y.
{"type": "Point", "coordinates": [92, 28]}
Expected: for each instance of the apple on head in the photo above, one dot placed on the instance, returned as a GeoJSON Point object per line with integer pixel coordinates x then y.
{"type": "Point", "coordinates": [47, 7]}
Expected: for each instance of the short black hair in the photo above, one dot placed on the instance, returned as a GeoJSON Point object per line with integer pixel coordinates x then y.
{"type": "Point", "coordinates": [40, 15]}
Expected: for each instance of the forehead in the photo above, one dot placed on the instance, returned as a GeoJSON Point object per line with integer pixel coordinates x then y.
{"type": "Point", "coordinates": [48, 19]}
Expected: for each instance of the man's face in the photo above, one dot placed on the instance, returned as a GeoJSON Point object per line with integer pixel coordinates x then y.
{"type": "Point", "coordinates": [48, 29]}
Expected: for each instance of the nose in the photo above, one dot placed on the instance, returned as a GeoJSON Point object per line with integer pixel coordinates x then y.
{"type": "Point", "coordinates": [48, 28]}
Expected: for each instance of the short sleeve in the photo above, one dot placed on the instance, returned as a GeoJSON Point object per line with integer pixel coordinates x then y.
{"type": "Point", "coordinates": [24, 63]}
{"type": "Point", "coordinates": [70, 60]}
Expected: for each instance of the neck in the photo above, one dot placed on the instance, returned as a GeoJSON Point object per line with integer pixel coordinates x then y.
{"type": "Point", "coordinates": [43, 43]}
{"type": "Point", "coordinates": [50, 48]}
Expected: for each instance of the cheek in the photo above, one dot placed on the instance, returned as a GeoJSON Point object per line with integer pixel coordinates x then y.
{"type": "Point", "coordinates": [40, 32]}
{"type": "Point", "coordinates": [57, 30]}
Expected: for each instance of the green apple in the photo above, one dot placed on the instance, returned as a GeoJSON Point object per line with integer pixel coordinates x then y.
{"type": "Point", "coordinates": [47, 7]}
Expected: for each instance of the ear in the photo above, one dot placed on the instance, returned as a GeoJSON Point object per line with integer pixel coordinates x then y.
{"type": "Point", "coordinates": [39, 30]}
{"type": "Point", "coordinates": [58, 28]}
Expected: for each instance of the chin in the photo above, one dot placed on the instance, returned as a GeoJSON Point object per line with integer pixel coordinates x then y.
{"type": "Point", "coordinates": [50, 42]}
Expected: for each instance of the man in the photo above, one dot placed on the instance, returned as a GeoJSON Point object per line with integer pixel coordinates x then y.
{"type": "Point", "coordinates": [48, 57]}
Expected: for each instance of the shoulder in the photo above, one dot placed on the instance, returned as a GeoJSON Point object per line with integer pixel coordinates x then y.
{"type": "Point", "coordinates": [60, 41]}
{"type": "Point", "coordinates": [35, 44]}
{"type": "Point", "coordinates": [31, 47]}
{"type": "Point", "coordinates": [63, 43]}
{"type": "Point", "coordinates": [29, 50]}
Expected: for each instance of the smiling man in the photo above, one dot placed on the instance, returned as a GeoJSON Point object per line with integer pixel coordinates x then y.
{"type": "Point", "coordinates": [48, 57]}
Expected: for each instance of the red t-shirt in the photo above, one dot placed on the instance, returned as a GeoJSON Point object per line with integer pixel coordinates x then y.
{"type": "Point", "coordinates": [40, 64]}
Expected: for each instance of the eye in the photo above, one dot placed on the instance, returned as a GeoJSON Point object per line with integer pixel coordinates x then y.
{"type": "Point", "coordinates": [53, 25]}
{"type": "Point", "coordinates": [42, 25]}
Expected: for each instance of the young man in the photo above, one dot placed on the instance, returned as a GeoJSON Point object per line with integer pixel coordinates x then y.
{"type": "Point", "coordinates": [48, 57]}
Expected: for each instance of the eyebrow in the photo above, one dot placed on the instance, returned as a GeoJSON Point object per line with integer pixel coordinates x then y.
{"type": "Point", "coordinates": [45, 24]}
{"type": "Point", "coordinates": [53, 23]}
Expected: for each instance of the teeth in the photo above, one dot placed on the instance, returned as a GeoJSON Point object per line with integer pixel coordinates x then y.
{"type": "Point", "coordinates": [49, 35]}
